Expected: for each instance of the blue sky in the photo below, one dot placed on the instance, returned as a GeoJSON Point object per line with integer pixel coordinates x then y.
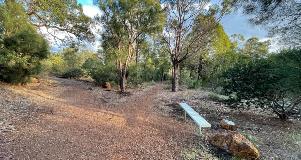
{"type": "Point", "coordinates": [235, 23]}
{"type": "Point", "coordinates": [85, 2]}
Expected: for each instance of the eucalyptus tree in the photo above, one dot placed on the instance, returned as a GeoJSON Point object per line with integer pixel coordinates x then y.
{"type": "Point", "coordinates": [124, 23]}
{"type": "Point", "coordinates": [56, 15]}
{"type": "Point", "coordinates": [255, 48]}
{"type": "Point", "coordinates": [282, 18]}
{"type": "Point", "coordinates": [185, 17]}
{"type": "Point", "coordinates": [21, 47]}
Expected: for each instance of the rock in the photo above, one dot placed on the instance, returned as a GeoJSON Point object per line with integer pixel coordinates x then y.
{"type": "Point", "coordinates": [228, 125]}
{"type": "Point", "coordinates": [107, 86]}
{"type": "Point", "coordinates": [234, 143]}
{"type": "Point", "coordinates": [34, 80]}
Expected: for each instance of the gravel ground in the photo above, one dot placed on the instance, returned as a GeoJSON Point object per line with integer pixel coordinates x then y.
{"type": "Point", "coordinates": [274, 138]}
{"type": "Point", "coordinates": [68, 119]}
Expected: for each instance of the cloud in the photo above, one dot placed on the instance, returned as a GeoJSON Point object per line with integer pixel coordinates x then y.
{"type": "Point", "coordinates": [274, 43]}
{"type": "Point", "coordinates": [91, 10]}
{"type": "Point", "coordinates": [207, 7]}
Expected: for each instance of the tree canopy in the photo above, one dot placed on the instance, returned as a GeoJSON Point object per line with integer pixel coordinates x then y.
{"type": "Point", "coordinates": [66, 16]}
{"type": "Point", "coordinates": [124, 23]}
{"type": "Point", "coordinates": [281, 17]}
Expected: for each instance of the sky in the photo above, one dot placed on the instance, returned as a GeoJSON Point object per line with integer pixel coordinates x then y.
{"type": "Point", "coordinates": [234, 23]}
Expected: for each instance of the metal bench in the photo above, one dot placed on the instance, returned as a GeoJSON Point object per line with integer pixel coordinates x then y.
{"type": "Point", "coordinates": [197, 118]}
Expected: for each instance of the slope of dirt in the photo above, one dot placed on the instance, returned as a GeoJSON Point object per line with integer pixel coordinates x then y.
{"type": "Point", "coordinates": [68, 119]}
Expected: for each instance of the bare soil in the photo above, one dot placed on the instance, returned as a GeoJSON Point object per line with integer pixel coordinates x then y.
{"type": "Point", "coordinates": [69, 119]}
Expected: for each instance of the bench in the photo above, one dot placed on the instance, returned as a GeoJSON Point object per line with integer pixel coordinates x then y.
{"type": "Point", "coordinates": [197, 118]}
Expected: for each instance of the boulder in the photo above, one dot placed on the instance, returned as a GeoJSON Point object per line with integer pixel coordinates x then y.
{"type": "Point", "coordinates": [107, 86]}
{"type": "Point", "coordinates": [234, 143]}
{"type": "Point", "coordinates": [228, 125]}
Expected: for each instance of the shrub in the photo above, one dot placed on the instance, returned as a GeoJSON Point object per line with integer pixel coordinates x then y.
{"type": "Point", "coordinates": [188, 80]}
{"type": "Point", "coordinates": [55, 65]}
{"type": "Point", "coordinates": [218, 97]}
{"type": "Point", "coordinates": [137, 75]}
{"type": "Point", "coordinates": [20, 56]}
{"type": "Point", "coordinates": [74, 73]}
{"type": "Point", "coordinates": [104, 73]}
{"type": "Point", "coordinates": [91, 65]}
{"type": "Point", "coordinates": [272, 83]}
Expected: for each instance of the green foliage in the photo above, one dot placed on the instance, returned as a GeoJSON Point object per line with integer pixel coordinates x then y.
{"type": "Point", "coordinates": [189, 80]}
{"type": "Point", "coordinates": [13, 18]}
{"type": "Point", "coordinates": [221, 42]}
{"type": "Point", "coordinates": [268, 83]}
{"type": "Point", "coordinates": [256, 49]}
{"type": "Point", "coordinates": [68, 61]}
{"type": "Point", "coordinates": [218, 97]}
{"type": "Point", "coordinates": [55, 65]}
{"type": "Point", "coordinates": [71, 57]}
{"type": "Point", "coordinates": [21, 55]}
{"type": "Point", "coordinates": [91, 64]}
{"type": "Point", "coordinates": [59, 15]}
{"type": "Point", "coordinates": [120, 39]}
{"type": "Point", "coordinates": [74, 73]}
{"type": "Point", "coordinates": [105, 73]}
{"type": "Point", "coordinates": [212, 59]}
{"type": "Point", "coordinates": [21, 47]}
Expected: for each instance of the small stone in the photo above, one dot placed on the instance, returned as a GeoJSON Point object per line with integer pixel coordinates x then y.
{"type": "Point", "coordinates": [107, 86]}
{"type": "Point", "coordinates": [34, 80]}
{"type": "Point", "coordinates": [228, 125]}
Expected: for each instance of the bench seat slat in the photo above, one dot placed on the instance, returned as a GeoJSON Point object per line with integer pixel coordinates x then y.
{"type": "Point", "coordinates": [201, 122]}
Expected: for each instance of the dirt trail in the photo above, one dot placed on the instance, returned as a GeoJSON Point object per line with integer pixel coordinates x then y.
{"type": "Point", "coordinates": [78, 124]}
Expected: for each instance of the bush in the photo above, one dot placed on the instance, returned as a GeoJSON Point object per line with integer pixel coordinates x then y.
{"type": "Point", "coordinates": [55, 65]}
{"type": "Point", "coordinates": [103, 73]}
{"type": "Point", "coordinates": [188, 80]}
{"type": "Point", "coordinates": [21, 55]}
{"type": "Point", "coordinates": [90, 65]}
{"type": "Point", "coordinates": [272, 83]}
{"type": "Point", "coordinates": [218, 97]}
{"type": "Point", "coordinates": [74, 73]}
{"type": "Point", "coordinates": [137, 75]}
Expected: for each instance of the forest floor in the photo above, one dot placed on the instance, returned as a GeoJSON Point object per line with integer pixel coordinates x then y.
{"type": "Point", "coordinates": [69, 119]}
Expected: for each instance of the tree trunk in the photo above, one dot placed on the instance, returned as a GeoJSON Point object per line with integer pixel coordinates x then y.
{"type": "Point", "coordinates": [283, 116]}
{"type": "Point", "coordinates": [122, 80]}
{"type": "Point", "coordinates": [137, 55]}
{"type": "Point", "coordinates": [200, 68]}
{"type": "Point", "coordinates": [175, 76]}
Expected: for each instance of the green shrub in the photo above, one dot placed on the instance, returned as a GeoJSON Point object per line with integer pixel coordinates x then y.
{"type": "Point", "coordinates": [55, 65]}
{"type": "Point", "coordinates": [73, 73]}
{"type": "Point", "coordinates": [272, 83]}
{"type": "Point", "coordinates": [218, 97]}
{"type": "Point", "coordinates": [188, 80]}
{"type": "Point", "coordinates": [21, 55]}
{"type": "Point", "coordinates": [90, 65]}
{"type": "Point", "coordinates": [137, 75]}
{"type": "Point", "coordinates": [105, 73]}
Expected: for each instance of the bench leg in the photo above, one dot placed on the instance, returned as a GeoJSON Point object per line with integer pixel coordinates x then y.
{"type": "Point", "coordinates": [200, 132]}
{"type": "Point", "coordinates": [185, 115]}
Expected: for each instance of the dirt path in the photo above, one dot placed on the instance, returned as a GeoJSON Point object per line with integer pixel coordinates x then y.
{"type": "Point", "coordinates": [76, 123]}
